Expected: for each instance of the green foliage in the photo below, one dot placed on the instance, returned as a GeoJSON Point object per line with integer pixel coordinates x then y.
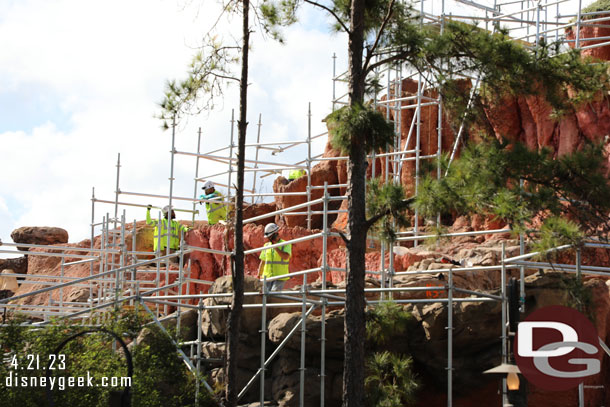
{"type": "Point", "coordinates": [505, 66]}
{"type": "Point", "coordinates": [207, 72]}
{"type": "Point", "coordinates": [556, 231]}
{"type": "Point", "coordinates": [400, 30]}
{"type": "Point", "coordinates": [387, 201]}
{"type": "Point", "coordinates": [599, 5]}
{"type": "Point", "coordinates": [390, 381]}
{"type": "Point", "coordinates": [278, 14]}
{"type": "Point", "coordinates": [486, 180]}
{"type": "Point", "coordinates": [580, 296]}
{"type": "Point", "coordinates": [160, 377]}
{"type": "Point", "coordinates": [359, 124]}
{"type": "Point", "coordinates": [385, 321]}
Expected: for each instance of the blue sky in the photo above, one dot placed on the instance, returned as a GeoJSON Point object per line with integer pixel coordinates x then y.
{"type": "Point", "coordinates": [80, 82]}
{"type": "Point", "coordinates": [30, 105]}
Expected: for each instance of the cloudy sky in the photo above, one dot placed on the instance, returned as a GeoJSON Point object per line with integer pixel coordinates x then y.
{"type": "Point", "coordinates": [80, 82]}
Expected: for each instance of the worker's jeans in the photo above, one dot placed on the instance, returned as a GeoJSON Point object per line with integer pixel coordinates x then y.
{"type": "Point", "coordinates": [276, 285]}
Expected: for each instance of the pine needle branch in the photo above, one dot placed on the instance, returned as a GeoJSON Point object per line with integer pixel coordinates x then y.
{"type": "Point", "coordinates": [332, 13]}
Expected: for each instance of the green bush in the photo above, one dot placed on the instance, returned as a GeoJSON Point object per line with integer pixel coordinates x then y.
{"type": "Point", "coordinates": [160, 377]}
{"type": "Point", "coordinates": [390, 380]}
{"type": "Point", "coordinates": [600, 5]}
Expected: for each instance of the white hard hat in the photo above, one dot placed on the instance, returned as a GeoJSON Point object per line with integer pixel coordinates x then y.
{"type": "Point", "coordinates": [166, 212]}
{"type": "Point", "coordinates": [271, 229]}
{"type": "Point", "coordinates": [207, 185]}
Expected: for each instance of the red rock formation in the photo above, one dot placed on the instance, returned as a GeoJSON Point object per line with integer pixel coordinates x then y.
{"type": "Point", "coordinates": [206, 266]}
{"type": "Point", "coordinates": [587, 34]}
{"type": "Point", "coordinates": [336, 259]}
{"type": "Point", "coordinates": [51, 266]}
{"type": "Point", "coordinates": [40, 235]}
{"type": "Point", "coordinates": [251, 211]}
{"type": "Point", "coordinates": [525, 119]}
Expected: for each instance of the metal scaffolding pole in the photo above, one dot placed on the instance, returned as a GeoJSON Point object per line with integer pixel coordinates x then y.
{"type": "Point", "coordinates": [109, 286]}
{"type": "Point", "coordinates": [263, 341]}
{"type": "Point", "coordinates": [450, 338]}
{"type": "Point", "coordinates": [324, 300]}
{"type": "Point", "coordinates": [309, 165]}
{"type": "Point", "coordinates": [196, 174]}
{"type": "Point", "coordinates": [231, 154]}
{"type": "Point", "coordinates": [258, 140]}
{"type": "Point", "coordinates": [504, 322]}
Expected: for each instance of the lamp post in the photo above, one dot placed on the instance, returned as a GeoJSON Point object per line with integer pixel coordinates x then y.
{"type": "Point", "coordinates": [514, 394]}
{"type": "Point", "coordinates": [512, 373]}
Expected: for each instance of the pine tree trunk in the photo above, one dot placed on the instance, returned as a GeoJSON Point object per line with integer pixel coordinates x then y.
{"type": "Point", "coordinates": [354, 329]}
{"type": "Point", "coordinates": [238, 266]}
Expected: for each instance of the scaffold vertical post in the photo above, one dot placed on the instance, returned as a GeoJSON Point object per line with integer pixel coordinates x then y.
{"type": "Point", "coordinates": [521, 268]}
{"type": "Point", "coordinates": [418, 140]}
{"type": "Point", "coordinates": [101, 269]}
{"type": "Point", "coordinates": [581, 386]}
{"type": "Point", "coordinates": [334, 81]}
{"type": "Point", "coordinates": [324, 300]}
{"type": "Point", "coordinates": [61, 291]}
{"type": "Point", "coordinates": [303, 331]}
{"type": "Point", "coordinates": [309, 166]}
{"type": "Point", "coordinates": [504, 317]}
{"type": "Point", "coordinates": [578, 17]}
{"type": "Point", "coordinates": [258, 140]}
{"type": "Point", "coordinates": [198, 364]}
{"type": "Point", "coordinates": [263, 340]}
{"type": "Point", "coordinates": [122, 251]}
{"type": "Point", "coordinates": [180, 280]}
{"type": "Point", "coordinates": [157, 255]}
{"type": "Point", "coordinates": [578, 264]}
{"type": "Point", "coordinates": [134, 260]}
{"type": "Point", "coordinates": [117, 190]}
{"type": "Point", "coordinates": [196, 174]}
{"type": "Point", "coordinates": [231, 154]}
{"type": "Point", "coordinates": [450, 338]}
{"type": "Point", "coordinates": [439, 141]}
{"type": "Point", "coordinates": [538, 8]}
{"type": "Point", "coordinates": [91, 245]}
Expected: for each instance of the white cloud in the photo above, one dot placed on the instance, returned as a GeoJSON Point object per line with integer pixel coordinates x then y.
{"type": "Point", "coordinates": [105, 65]}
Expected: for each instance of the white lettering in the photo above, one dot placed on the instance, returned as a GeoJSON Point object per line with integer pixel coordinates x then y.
{"type": "Point", "coordinates": [526, 338]}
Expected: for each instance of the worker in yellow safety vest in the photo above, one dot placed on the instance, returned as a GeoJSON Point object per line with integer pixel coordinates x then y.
{"type": "Point", "coordinates": [175, 229]}
{"type": "Point", "coordinates": [216, 212]}
{"type": "Point", "coordinates": [274, 262]}
{"type": "Point", "coordinates": [294, 174]}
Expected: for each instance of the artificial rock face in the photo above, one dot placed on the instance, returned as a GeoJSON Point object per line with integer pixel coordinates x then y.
{"type": "Point", "coordinates": [43, 235]}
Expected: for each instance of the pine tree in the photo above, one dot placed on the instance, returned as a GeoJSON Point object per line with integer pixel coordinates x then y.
{"type": "Point", "coordinates": [205, 81]}
{"type": "Point", "coordinates": [386, 31]}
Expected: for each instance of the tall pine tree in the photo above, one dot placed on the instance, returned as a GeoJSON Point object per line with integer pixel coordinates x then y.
{"type": "Point", "coordinates": [381, 32]}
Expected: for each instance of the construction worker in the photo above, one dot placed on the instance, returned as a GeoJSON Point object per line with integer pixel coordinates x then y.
{"type": "Point", "coordinates": [274, 262]}
{"type": "Point", "coordinates": [175, 229]}
{"type": "Point", "coordinates": [297, 173]}
{"type": "Point", "coordinates": [216, 212]}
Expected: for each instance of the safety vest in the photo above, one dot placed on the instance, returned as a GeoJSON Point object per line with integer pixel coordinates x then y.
{"type": "Point", "coordinates": [274, 265]}
{"type": "Point", "coordinates": [175, 229]}
{"type": "Point", "coordinates": [215, 211]}
{"type": "Point", "coordinates": [294, 174]}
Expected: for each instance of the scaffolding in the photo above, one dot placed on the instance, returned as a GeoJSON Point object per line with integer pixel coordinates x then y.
{"type": "Point", "coordinates": [115, 267]}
